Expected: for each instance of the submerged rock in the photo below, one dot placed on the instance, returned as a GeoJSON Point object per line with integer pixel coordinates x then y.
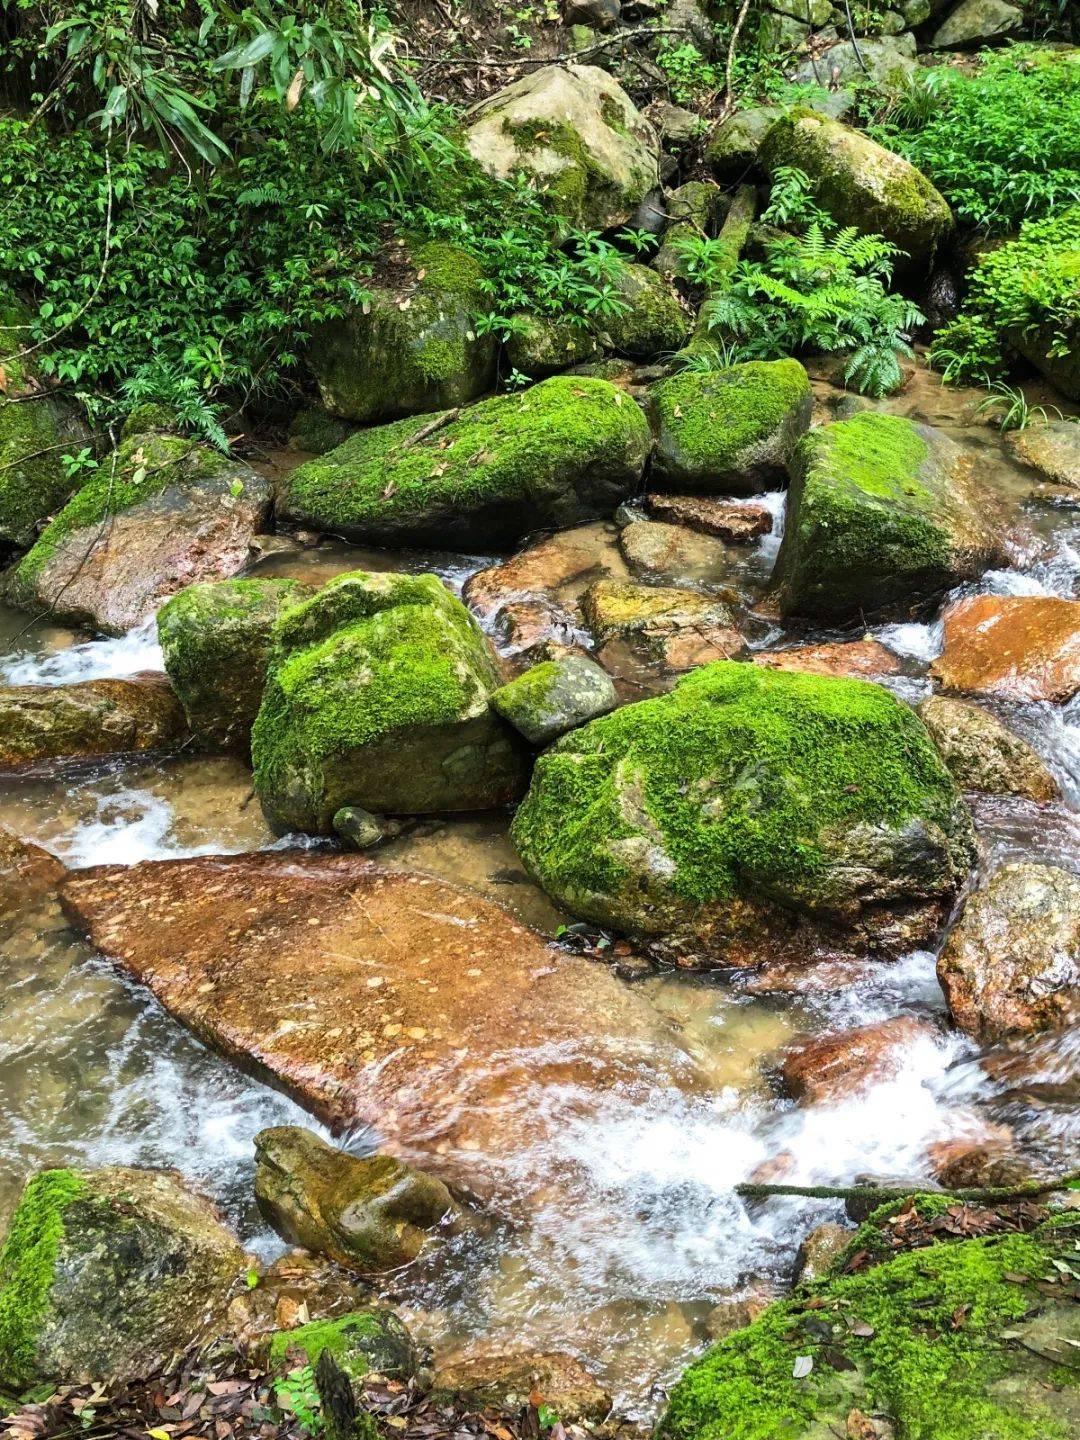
{"type": "Point", "coordinates": [1012, 961]}
{"type": "Point", "coordinates": [576, 135]}
{"type": "Point", "coordinates": [378, 695]}
{"type": "Point", "coordinates": [364, 1342]}
{"type": "Point", "coordinates": [28, 874]}
{"type": "Point", "coordinates": [413, 347]}
{"type": "Point", "coordinates": [674, 554]}
{"type": "Point", "coordinates": [381, 998]}
{"type": "Point", "coordinates": [882, 513]}
{"type": "Point", "coordinates": [818, 1251]}
{"type": "Point", "coordinates": [216, 641]}
{"type": "Point", "coordinates": [857, 659]}
{"type": "Point", "coordinates": [368, 1213]}
{"type": "Point", "coordinates": [551, 698]}
{"type": "Point", "coordinates": [983, 754]}
{"type": "Point", "coordinates": [109, 1273]}
{"type": "Point", "coordinates": [40, 724]}
{"type": "Point", "coordinates": [961, 1340]}
{"type": "Point", "coordinates": [710, 821]}
{"type": "Point", "coordinates": [564, 451]}
{"type": "Point", "coordinates": [1018, 647]}
{"type": "Point", "coordinates": [834, 1067]}
{"type": "Point", "coordinates": [731, 431]}
{"type": "Point", "coordinates": [506, 1382]}
{"type": "Point", "coordinates": [860, 183]}
{"type": "Point", "coordinates": [160, 513]}
{"type": "Point", "coordinates": [36, 431]}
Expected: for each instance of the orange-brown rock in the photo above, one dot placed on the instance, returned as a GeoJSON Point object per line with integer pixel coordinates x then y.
{"type": "Point", "coordinates": [43, 723]}
{"type": "Point", "coordinates": [737, 524]}
{"type": "Point", "coordinates": [834, 1067]}
{"type": "Point", "coordinates": [535, 571]}
{"type": "Point", "coordinates": [1021, 647]}
{"type": "Point", "coordinates": [857, 658]}
{"type": "Point", "coordinates": [976, 1163]}
{"type": "Point", "coordinates": [820, 1248]}
{"type": "Point", "coordinates": [377, 997]}
{"type": "Point", "coordinates": [27, 873]}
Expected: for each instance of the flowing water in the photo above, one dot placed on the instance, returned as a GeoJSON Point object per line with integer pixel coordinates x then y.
{"type": "Point", "coordinates": [634, 1230]}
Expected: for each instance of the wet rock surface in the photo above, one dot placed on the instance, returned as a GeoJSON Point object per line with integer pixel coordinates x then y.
{"type": "Point", "coordinates": [1018, 647]}
{"type": "Point", "coordinates": [506, 1382]}
{"type": "Point", "coordinates": [737, 524]}
{"type": "Point", "coordinates": [857, 659]}
{"type": "Point", "coordinates": [983, 754]}
{"type": "Point", "coordinates": [43, 724]}
{"type": "Point", "coordinates": [551, 698]}
{"type": "Point", "coordinates": [835, 1067]}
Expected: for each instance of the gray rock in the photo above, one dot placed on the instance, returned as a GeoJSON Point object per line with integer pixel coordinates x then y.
{"type": "Point", "coordinates": [543, 345]}
{"type": "Point", "coordinates": [983, 754]}
{"type": "Point", "coordinates": [554, 697]}
{"type": "Point", "coordinates": [812, 12]}
{"type": "Point", "coordinates": [360, 830]}
{"type": "Point", "coordinates": [734, 145]}
{"type": "Point", "coordinates": [888, 60]}
{"type": "Point", "coordinates": [975, 21]}
{"type": "Point", "coordinates": [1053, 449]}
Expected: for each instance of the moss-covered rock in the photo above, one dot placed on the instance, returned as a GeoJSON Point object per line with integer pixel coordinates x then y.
{"type": "Point", "coordinates": [43, 724]}
{"type": "Point", "coordinates": [576, 134]}
{"type": "Point", "coordinates": [860, 183]}
{"type": "Point", "coordinates": [733, 146]}
{"type": "Point", "coordinates": [378, 696]}
{"type": "Point", "coordinates": [746, 797]}
{"type": "Point", "coordinates": [159, 513]}
{"type": "Point", "coordinates": [216, 641]}
{"type": "Point", "coordinates": [543, 345]}
{"type": "Point", "coordinates": [961, 1341]}
{"type": "Point", "coordinates": [882, 513]}
{"type": "Point", "coordinates": [730, 431]}
{"type": "Point", "coordinates": [650, 320]}
{"type": "Point", "coordinates": [364, 1342]}
{"type": "Point", "coordinates": [553, 697]}
{"type": "Point", "coordinates": [615, 608]}
{"type": "Point", "coordinates": [414, 346]}
{"type": "Point", "coordinates": [369, 1213]}
{"type": "Point", "coordinates": [569, 449]}
{"type": "Point", "coordinates": [316, 431]}
{"type": "Point", "coordinates": [692, 211]}
{"type": "Point", "coordinates": [36, 432]}
{"type": "Point", "coordinates": [109, 1272]}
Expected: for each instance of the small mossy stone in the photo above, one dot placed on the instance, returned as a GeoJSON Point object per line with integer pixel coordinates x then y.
{"type": "Point", "coordinates": [651, 320]}
{"type": "Point", "coordinates": [882, 513]}
{"type": "Point", "coordinates": [316, 431]}
{"type": "Point", "coordinates": [216, 641]}
{"type": "Point", "coordinates": [678, 819]}
{"type": "Point", "coordinates": [734, 145]}
{"type": "Point", "coordinates": [543, 345]}
{"type": "Point", "coordinates": [555, 696]}
{"type": "Point", "coordinates": [729, 431]}
{"type": "Point", "coordinates": [566, 450]}
{"type": "Point", "coordinates": [360, 830]}
{"type": "Point", "coordinates": [377, 695]}
{"type": "Point", "coordinates": [364, 1342]}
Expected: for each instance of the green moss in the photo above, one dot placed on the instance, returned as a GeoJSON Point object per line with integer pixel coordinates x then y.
{"type": "Point", "coordinates": [870, 1236]}
{"type": "Point", "coordinates": [447, 270]}
{"type": "Point", "coordinates": [27, 1262]}
{"type": "Point", "coordinates": [652, 321]}
{"type": "Point", "coordinates": [361, 1342]}
{"type": "Point", "coordinates": [532, 689]}
{"type": "Point", "coordinates": [743, 772]}
{"type": "Point", "coordinates": [513, 452]}
{"type": "Point", "coordinates": [935, 1346]}
{"type": "Point", "coordinates": [581, 188]}
{"type": "Point", "coordinates": [145, 419]}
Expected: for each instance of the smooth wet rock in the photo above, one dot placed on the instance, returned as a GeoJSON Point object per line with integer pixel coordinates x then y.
{"type": "Point", "coordinates": [834, 1067]}
{"type": "Point", "coordinates": [378, 695]}
{"type": "Point", "coordinates": [1053, 449]}
{"type": "Point", "coordinates": [733, 147]}
{"type": "Point", "coordinates": [1012, 961]}
{"type": "Point", "coordinates": [576, 135]}
{"type": "Point", "coordinates": [371, 1341]}
{"type": "Point", "coordinates": [28, 874]}
{"type": "Point", "coordinates": [160, 513]}
{"type": "Point", "coordinates": [715, 822]}
{"type": "Point", "coordinates": [369, 1213]}
{"type": "Point", "coordinates": [652, 320]}
{"type": "Point", "coordinates": [819, 1249]}
{"type": "Point", "coordinates": [566, 450]}
{"type": "Point", "coordinates": [37, 429]}
{"type": "Point", "coordinates": [544, 345]}
{"type": "Point", "coordinates": [109, 1273]}
{"type": "Point", "coordinates": [551, 698]}
{"type": "Point", "coordinates": [731, 431]}
{"type": "Point", "coordinates": [857, 659]}
{"type": "Point", "coordinates": [378, 997]}
{"type": "Point", "coordinates": [976, 1164]}
{"type": "Point", "coordinates": [860, 183]}
{"type": "Point", "coordinates": [983, 754]}
{"type": "Point", "coordinates": [974, 22]}
{"type": "Point", "coordinates": [534, 573]}
{"type": "Point", "coordinates": [216, 641]}
{"type": "Point", "coordinates": [40, 724]}
{"type": "Point", "coordinates": [505, 1383]}
{"type": "Point", "coordinates": [413, 347]}
{"type": "Point", "coordinates": [360, 830]}
{"type": "Point", "coordinates": [673, 554]}
{"type": "Point", "coordinates": [1016, 647]}
{"type": "Point", "coordinates": [882, 514]}
{"type": "Point", "coordinates": [615, 608]}
{"type": "Point", "coordinates": [727, 520]}
{"type": "Point", "coordinates": [733, 1314]}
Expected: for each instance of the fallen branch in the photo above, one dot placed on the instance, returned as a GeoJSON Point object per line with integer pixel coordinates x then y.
{"type": "Point", "coordinates": [994, 1194]}
{"type": "Point", "coordinates": [729, 247]}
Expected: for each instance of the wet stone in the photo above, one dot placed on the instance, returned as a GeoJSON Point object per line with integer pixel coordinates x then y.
{"type": "Point", "coordinates": [555, 696]}
{"type": "Point", "coordinates": [983, 754]}
{"type": "Point", "coordinates": [612, 608]}
{"type": "Point", "coordinates": [1053, 449]}
{"type": "Point", "coordinates": [860, 659]}
{"type": "Point", "coordinates": [40, 724]}
{"type": "Point", "coordinates": [834, 1067]}
{"type": "Point", "coordinates": [505, 1382]}
{"type": "Point", "coordinates": [1018, 647]}
{"type": "Point", "coordinates": [737, 524]}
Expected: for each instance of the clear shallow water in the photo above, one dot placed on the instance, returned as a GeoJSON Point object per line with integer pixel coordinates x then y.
{"type": "Point", "coordinates": [633, 1230]}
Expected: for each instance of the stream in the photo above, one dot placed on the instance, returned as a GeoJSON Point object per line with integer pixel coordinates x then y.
{"type": "Point", "coordinates": [634, 1232]}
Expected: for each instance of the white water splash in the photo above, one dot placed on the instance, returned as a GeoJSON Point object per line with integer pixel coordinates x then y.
{"type": "Point", "coordinates": [107, 659]}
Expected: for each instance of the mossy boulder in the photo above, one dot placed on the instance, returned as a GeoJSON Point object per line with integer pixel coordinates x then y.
{"type": "Point", "coordinates": [692, 211]}
{"type": "Point", "coordinates": [109, 1273]}
{"type": "Point", "coordinates": [369, 1213]}
{"type": "Point", "coordinates": [567, 450]}
{"type": "Point", "coordinates": [618, 608]}
{"type": "Point", "coordinates": [650, 319]}
{"type": "Point", "coordinates": [743, 799]}
{"type": "Point", "coordinates": [364, 1342]}
{"type": "Point", "coordinates": [378, 695]}
{"type": "Point", "coordinates": [160, 513]}
{"type": "Point", "coordinates": [553, 697]}
{"type": "Point", "coordinates": [414, 345]}
{"type": "Point", "coordinates": [36, 431]}
{"type": "Point", "coordinates": [731, 431]}
{"type": "Point", "coordinates": [216, 641]}
{"type": "Point", "coordinates": [860, 183]}
{"type": "Point", "coordinates": [733, 146]}
{"type": "Point", "coordinates": [961, 1341]}
{"type": "Point", "coordinates": [574, 132]}
{"type": "Point", "coordinates": [43, 724]}
{"type": "Point", "coordinates": [543, 345]}
{"type": "Point", "coordinates": [975, 22]}
{"type": "Point", "coordinates": [882, 513]}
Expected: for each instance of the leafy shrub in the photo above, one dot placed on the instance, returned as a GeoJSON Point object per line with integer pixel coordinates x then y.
{"type": "Point", "coordinates": [1001, 145]}
{"type": "Point", "coordinates": [1031, 282]}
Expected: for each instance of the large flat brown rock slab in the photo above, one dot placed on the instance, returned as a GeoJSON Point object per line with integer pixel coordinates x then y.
{"type": "Point", "coordinates": [1019, 647]}
{"type": "Point", "coordinates": [378, 997]}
